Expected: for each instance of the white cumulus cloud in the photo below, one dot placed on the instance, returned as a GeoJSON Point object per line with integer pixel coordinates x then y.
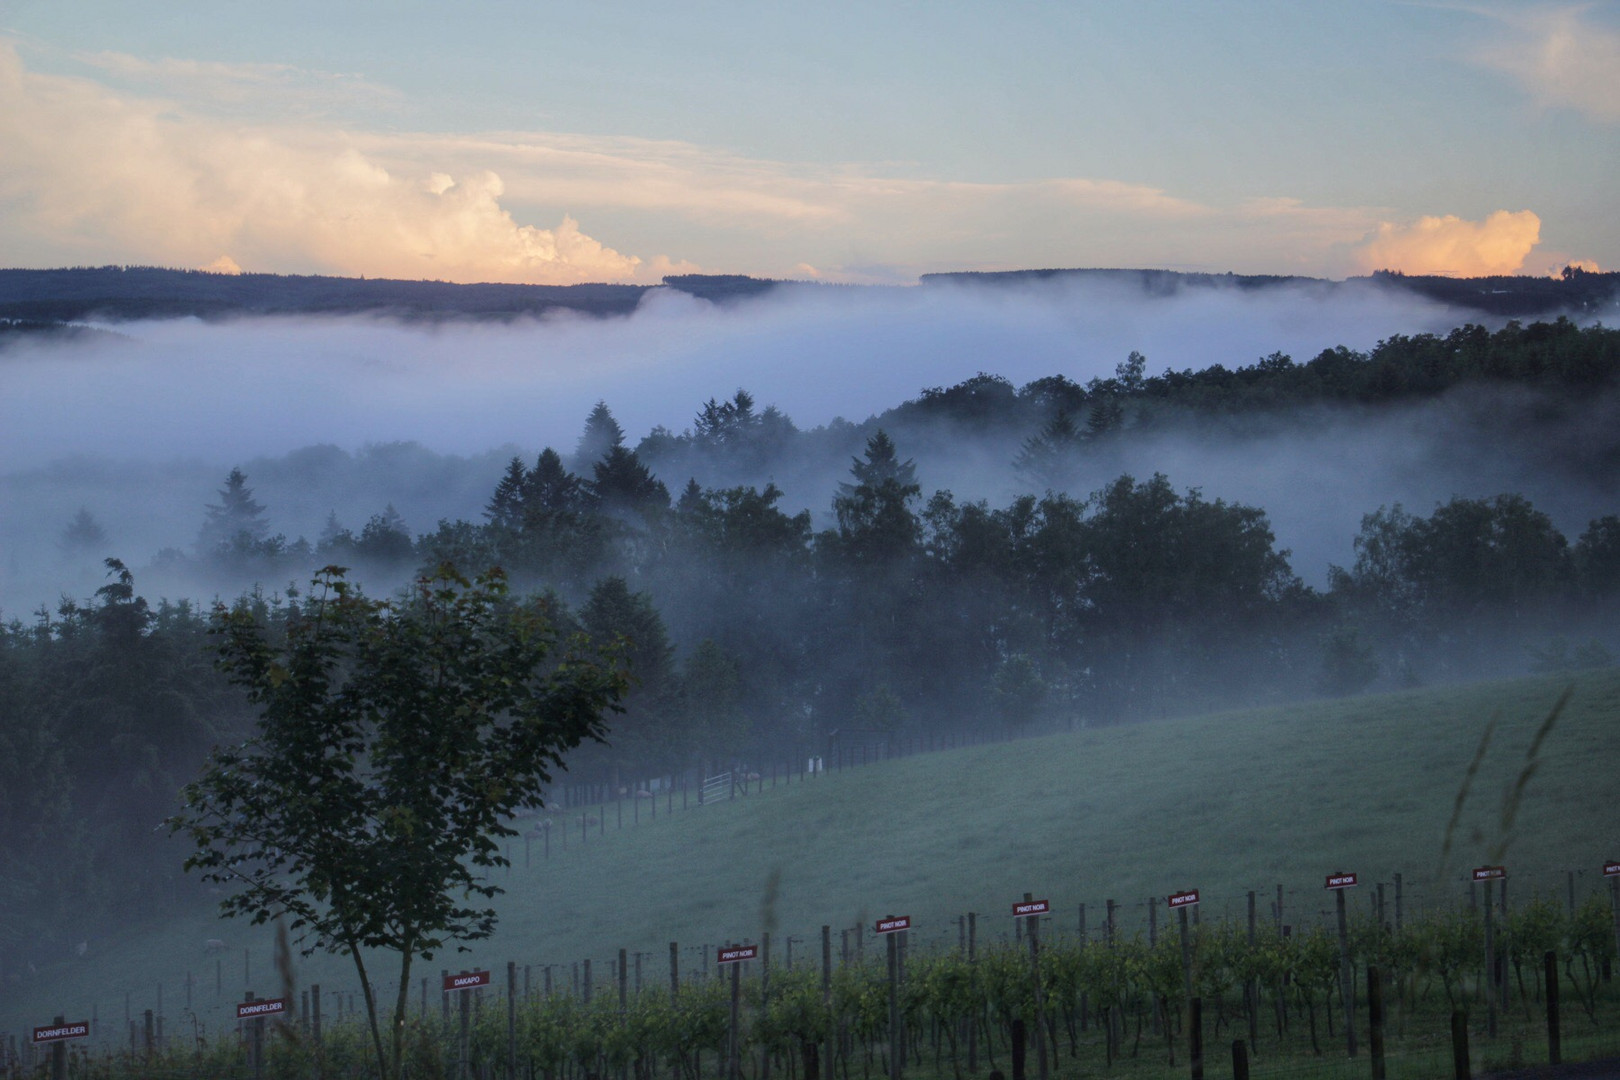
{"type": "Point", "coordinates": [1453, 245]}
{"type": "Point", "coordinates": [90, 174]}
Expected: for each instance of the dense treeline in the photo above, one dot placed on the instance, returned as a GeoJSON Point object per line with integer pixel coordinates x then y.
{"type": "Point", "coordinates": [751, 631]}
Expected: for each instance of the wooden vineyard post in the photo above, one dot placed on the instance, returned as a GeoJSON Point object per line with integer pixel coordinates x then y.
{"type": "Point", "coordinates": [1347, 980]}
{"type": "Point", "coordinates": [1611, 870]}
{"type": "Point", "coordinates": [675, 992]}
{"type": "Point", "coordinates": [1182, 903]}
{"type": "Point", "coordinates": [465, 1012]}
{"type": "Point", "coordinates": [1490, 875]}
{"type": "Point", "coordinates": [1459, 1046]}
{"type": "Point", "coordinates": [1195, 1038]}
{"type": "Point", "coordinates": [1251, 991]}
{"type": "Point", "coordinates": [1490, 963]}
{"type": "Point", "coordinates": [826, 1004]}
{"type": "Point", "coordinates": [1375, 1021]}
{"type": "Point", "coordinates": [733, 1071]}
{"type": "Point", "coordinates": [973, 977]}
{"type": "Point", "coordinates": [1186, 955]}
{"type": "Point", "coordinates": [897, 1038]}
{"type": "Point", "coordinates": [1399, 903]}
{"type": "Point", "coordinates": [1032, 910]}
{"type": "Point", "coordinates": [315, 1015]}
{"type": "Point", "coordinates": [511, 1020]}
{"type": "Point", "coordinates": [1554, 1041]}
{"type": "Point", "coordinates": [734, 956]}
{"type": "Point", "coordinates": [1041, 1063]}
{"type": "Point", "coordinates": [59, 1051]}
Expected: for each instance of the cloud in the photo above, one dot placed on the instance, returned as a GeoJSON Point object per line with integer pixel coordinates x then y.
{"type": "Point", "coordinates": [223, 265]}
{"type": "Point", "coordinates": [1452, 245]}
{"type": "Point", "coordinates": [98, 172]}
{"type": "Point", "coordinates": [98, 175]}
{"type": "Point", "coordinates": [1560, 57]}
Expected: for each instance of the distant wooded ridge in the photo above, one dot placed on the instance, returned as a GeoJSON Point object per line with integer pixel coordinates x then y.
{"type": "Point", "coordinates": [32, 297]}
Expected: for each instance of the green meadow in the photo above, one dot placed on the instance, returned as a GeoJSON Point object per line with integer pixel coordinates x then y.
{"type": "Point", "coordinates": [1226, 803]}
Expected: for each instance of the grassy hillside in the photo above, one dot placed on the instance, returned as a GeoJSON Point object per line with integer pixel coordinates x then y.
{"type": "Point", "coordinates": [1224, 803]}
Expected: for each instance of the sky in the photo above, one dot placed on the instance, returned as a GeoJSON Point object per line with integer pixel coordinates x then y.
{"type": "Point", "coordinates": [868, 141]}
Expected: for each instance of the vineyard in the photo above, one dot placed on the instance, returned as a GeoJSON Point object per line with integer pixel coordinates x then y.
{"type": "Point", "coordinates": [1106, 1003]}
{"type": "Point", "coordinates": [1368, 784]}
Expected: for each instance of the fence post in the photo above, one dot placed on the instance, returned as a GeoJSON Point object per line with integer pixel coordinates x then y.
{"type": "Point", "coordinates": [1459, 1045]}
{"type": "Point", "coordinates": [1240, 1060]}
{"type": "Point", "coordinates": [1554, 1043]}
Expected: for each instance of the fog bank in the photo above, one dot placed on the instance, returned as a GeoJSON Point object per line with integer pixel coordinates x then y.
{"type": "Point", "coordinates": [141, 428]}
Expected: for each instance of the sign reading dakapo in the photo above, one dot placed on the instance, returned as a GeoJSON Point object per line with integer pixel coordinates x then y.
{"type": "Point", "coordinates": [1025, 908]}
{"type": "Point", "coordinates": [58, 1032]}
{"type": "Point", "coordinates": [467, 980]}
{"type": "Point", "coordinates": [893, 925]}
{"type": "Point", "coordinates": [1182, 899]}
{"type": "Point", "coordinates": [735, 954]}
{"type": "Point", "coordinates": [1340, 881]}
{"type": "Point", "coordinates": [252, 1010]}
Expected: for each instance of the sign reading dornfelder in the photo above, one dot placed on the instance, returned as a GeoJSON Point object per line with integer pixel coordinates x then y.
{"type": "Point", "coordinates": [1611, 869]}
{"type": "Point", "coordinates": [1340, 881]}
{"type": "Point", "coordinates": [467, 980]}
{"type": "Point", "coordinates": [1182, 899]}
{"type": "Point", "coordinates": [58, 1032]}
{"type": "Point", "coordinates": [252, 1010]}
{"type": "Point", "coordinates": [733, 954]}
{"type": "Point", "coordinates": [1489, 873]}
{"type": "Point", "coordinates": [894, 925]}
{"type": "Point", "coordinates": [1031, 907]}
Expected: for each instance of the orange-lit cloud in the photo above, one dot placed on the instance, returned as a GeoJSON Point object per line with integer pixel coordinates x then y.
{"type": "Point", "coordinates": [1452, 245]}
{"type": "Point", "coordinates": [1560, 57]}
{"type": "Point", "coordinates": [126, 178]}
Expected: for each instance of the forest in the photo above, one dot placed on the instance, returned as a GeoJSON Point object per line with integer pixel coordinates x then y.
{"type": "Point", "coordinates": [751, 632]}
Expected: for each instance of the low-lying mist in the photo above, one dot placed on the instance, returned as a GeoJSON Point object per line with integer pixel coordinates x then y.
{"type": "Point", "coordinates": [348, 416]}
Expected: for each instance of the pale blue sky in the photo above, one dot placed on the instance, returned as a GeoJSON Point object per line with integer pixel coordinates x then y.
{"type": "Point", "coordinates": [857, 140]}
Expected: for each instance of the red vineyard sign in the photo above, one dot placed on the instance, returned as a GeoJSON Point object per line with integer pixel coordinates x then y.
{"type": "Point", "coordinates": [736, 954]}
{"type": "Point", "coordinates": [467, 980]}
{"type": "Point", "coordinates": [1340, 881]}
{"type": "Point", "coordinates": [1031, 907]}
{"type": "Point", "coordinates": [1489, 873]}
{"type": "Point", "coordinates": [252, 1010]}
{"type": "Point", "coordinates": [58, 1032]}
{"type": "Point", "coordinates": [894, 925]}
{"type": "Point", "coordinates": [1182, 899]}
